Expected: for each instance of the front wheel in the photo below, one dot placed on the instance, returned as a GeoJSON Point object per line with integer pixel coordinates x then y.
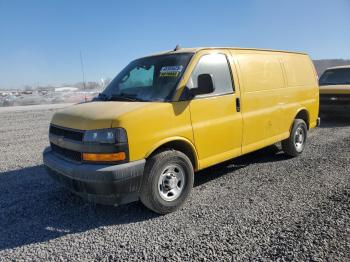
{"type": "Point", "coordinates": [295, 144]}
{"type": "Point", "coordinates": [168, 180]}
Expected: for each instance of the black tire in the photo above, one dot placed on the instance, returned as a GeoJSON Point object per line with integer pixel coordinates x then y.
{"type": "Point", "coordinates": [150, 194]}
{"type": "Point", "coordinates": [290, 145]}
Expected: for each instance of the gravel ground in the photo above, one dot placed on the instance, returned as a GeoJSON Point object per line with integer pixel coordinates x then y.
{"type": "Point", "coordinates": [263, 206]}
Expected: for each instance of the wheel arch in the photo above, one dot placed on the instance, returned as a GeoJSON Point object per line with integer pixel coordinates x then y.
{"type": "Point", "coordinates": [177, 143]}
{"type": "Point", "coordinates": [303, 114]}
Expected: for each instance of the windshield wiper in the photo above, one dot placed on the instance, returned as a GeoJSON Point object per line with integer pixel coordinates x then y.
{"type": "Point", "coordinates": [125, 97]}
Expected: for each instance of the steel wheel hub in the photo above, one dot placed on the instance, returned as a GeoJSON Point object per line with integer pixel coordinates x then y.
{"type": "Point", "coordinates": [171, 182]}
{"type": "Point", "coordinates": [299, 139]}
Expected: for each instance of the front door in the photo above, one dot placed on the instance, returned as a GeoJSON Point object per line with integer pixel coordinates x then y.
{"type": "Point", "coordinates": [216, 122]}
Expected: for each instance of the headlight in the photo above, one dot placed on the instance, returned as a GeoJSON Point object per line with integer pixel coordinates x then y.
{"type": "Point", "coordinates": [106, 136]}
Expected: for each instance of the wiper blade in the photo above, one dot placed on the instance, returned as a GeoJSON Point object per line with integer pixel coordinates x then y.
{"type": "Point", "coordinates": [124, 97]}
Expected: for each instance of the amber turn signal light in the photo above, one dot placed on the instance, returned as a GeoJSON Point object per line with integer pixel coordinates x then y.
{"type": "Point", "coordinates": [104, 157]}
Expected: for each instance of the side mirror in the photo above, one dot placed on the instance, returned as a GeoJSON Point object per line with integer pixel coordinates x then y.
{"type": "Point", "coordinates": [205, 85]}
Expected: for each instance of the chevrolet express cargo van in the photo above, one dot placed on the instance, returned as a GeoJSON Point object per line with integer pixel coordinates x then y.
{"type": "Point", "coordinates": [335, 91]}
{"type": "Point", "coordinates": [167, 115]}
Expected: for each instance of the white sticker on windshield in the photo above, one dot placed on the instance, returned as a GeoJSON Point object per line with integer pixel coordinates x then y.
{"type": "Point", "coordinates": [170, 71]}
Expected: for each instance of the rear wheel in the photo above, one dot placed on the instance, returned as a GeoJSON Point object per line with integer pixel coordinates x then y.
{"type": "Point", "coordinates": [167, 182]}
{"type": "Point", "coordinates": [295, 144]}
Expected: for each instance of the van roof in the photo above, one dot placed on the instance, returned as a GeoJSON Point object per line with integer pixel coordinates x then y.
{"type": "Point", "coordinates": [339, 67]}
{"type": "Point", "coordinates": [196, 49]}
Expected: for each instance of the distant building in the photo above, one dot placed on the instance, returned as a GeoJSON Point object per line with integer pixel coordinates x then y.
{"type": "Point", "coordinates": [66, 89]}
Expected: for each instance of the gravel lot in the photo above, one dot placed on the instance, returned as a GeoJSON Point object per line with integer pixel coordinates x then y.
{"type": "Point", "coordinates": [263, 206]}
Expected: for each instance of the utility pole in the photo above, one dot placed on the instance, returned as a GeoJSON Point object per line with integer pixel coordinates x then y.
{"type": "Point", "coordinates": [82, 70]}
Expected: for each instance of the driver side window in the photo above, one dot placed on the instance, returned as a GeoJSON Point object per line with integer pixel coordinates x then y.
{"type": "Point", "coordinates": [217, 66]}
{"type": "Point", "coordinates": [138, 77]}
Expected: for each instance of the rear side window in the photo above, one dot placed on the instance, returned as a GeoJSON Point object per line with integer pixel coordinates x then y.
{"type": "Point", "coordinates": [217, 66]}
{"type": "Point", "coordinates": [299, 70]}
{"type": "Point", "coordinates": [339, 76]}
{"type": "Point", "coordinates": [261, 72]}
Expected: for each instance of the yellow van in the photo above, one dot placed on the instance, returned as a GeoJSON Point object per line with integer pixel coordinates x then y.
{"type": "Point", "coordinates": [167, 115]}
{"type": "Point", "coordinates": [335, 91]}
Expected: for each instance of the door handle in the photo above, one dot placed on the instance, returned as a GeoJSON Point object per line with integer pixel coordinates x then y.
{"type": "Point", "coordinates": [238, 104]}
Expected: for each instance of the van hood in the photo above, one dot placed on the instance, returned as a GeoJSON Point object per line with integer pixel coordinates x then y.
{"type": "Point", "coordinates": [94, 115]}
{"type": "Point", "coordinates": [335, 89]}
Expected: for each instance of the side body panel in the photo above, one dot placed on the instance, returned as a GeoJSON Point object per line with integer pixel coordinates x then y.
{"type": "Point", "coordinates": [262, 92]}
{"type": "Point", "coordinates": [212, 127]}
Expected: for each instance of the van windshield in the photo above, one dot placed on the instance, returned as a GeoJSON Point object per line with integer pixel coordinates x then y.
{"type": "Point", "coordinates": [335, 77]}
{"type": "Point", "coordinates": [148, 79]}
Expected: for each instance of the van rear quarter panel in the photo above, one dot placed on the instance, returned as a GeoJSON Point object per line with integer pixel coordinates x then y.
{"type": "Point", "coordinates": [301, 90]}
{"type": "Point", "coordinates": [275, 86]}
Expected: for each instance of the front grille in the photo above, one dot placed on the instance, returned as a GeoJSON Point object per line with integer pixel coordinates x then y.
{"type": "Point", "coordinates": [335, 99]}
{"type": "Point", "coordinates": [67, 133]}
{"type": "Point", "coordinates": [67, 153]}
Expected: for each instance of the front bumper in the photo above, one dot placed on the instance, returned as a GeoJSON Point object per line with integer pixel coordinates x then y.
{"type": "Point", "coordinates": [104, 184]}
